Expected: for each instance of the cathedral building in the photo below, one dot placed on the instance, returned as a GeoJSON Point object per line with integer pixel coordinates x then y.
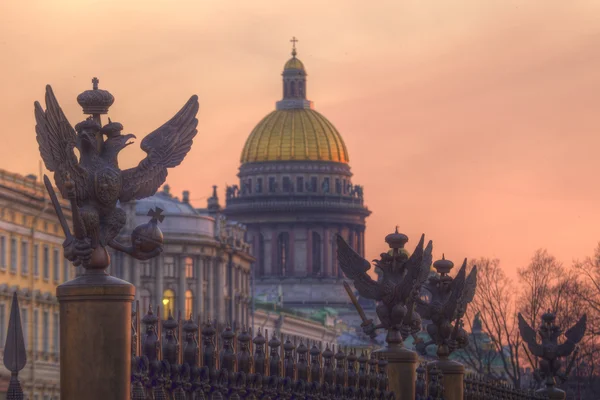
{"type": "Point", "coordinates": [295, 194]}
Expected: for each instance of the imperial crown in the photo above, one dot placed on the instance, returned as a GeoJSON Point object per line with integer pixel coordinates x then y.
{"type": "Point", "coordinates": [95, 101]}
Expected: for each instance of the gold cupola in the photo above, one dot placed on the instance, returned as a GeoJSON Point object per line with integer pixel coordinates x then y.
{"type": "Point", "coordinates": [294, 131]}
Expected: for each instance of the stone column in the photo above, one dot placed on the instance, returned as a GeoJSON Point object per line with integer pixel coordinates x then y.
{"type": "Point", "coordinates": [327, 259]}
{"type": "Point", "coordinates": [309, 252]}
{"type": "Point", "coordinates": [291, 252]}
{"type": "Point", "coordinates": [135, 272]}
{"type": "Point", "coordinates": [124, 260]}
{"type": "Point", "coordinates": [211, 265]}
{"type": "Point", "coordinates": [199, 269]}
{"type": "Point", "coordinates": [222, 281]}
{"type": "Point", "coordinates": [159, 289]}
{"type": "Point", "coordinates": [180, 266]}
{"type": "Point", "coordinates": [271, 270]}
{"type": "Point", "coordinates": [453, 377]}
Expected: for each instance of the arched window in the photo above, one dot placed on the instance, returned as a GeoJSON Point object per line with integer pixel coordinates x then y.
{"type": "Point", "coordinates": [316, 254]}
{"type": "Point", "coordinates": [283, 253]}
{"type": "Point", "coordinates": [168, 303]}
{"type": "Point", "coordinates": [144, 302]}
{"type": "Point", "coordinates": [261, 254]}
{"type": "Point", "coordinates": [189, 301]}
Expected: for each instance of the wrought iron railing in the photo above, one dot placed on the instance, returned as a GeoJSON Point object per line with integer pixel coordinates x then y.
{"type": "Point", "coordinates": [214, 362]}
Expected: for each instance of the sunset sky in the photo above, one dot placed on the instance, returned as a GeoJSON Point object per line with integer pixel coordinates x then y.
{"type": "Point", "coordinates": [474, 122]}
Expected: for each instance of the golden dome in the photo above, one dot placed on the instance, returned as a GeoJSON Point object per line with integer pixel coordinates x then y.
{"type": "Point", "coordinates": [293, 63]}
{"type": "Point", "coordinates": [297, 134]}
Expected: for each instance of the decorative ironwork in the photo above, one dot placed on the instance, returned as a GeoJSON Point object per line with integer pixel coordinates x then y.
{"type": "Point", "coordinates": [444, 302]}
{"type": "Point", "coordinates": [94, 183]}
{"type": "Point", "coordinates": [397, 291]}
{"type": "Point", "coordinates": [549, 350]}
{"type": "Point", "coordinates": [15, 357]}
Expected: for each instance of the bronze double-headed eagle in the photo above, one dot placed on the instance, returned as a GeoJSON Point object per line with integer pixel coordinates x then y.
{"type": "Point", "coordinates": [93, 181]}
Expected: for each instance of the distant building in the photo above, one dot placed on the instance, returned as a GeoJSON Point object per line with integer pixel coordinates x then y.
{"type": "Point", "coordinates": [32, 264]}
{"type": "Point", "coordinates": [204, 269]}
{"type": "Point", "coordinates": [295, 195]}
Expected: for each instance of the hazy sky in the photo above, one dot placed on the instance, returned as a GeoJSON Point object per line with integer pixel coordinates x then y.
{"type": "Point", "coordinates": [475, 122]}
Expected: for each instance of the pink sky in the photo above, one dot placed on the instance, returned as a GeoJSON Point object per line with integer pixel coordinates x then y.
{"type": "Point", "coordinates": [475, 122]}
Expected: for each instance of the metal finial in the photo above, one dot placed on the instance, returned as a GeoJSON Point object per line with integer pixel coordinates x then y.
{"type": "Point", "coordinates": [95, 82]}
{"type": "Point", "coordinates": [294, 40]}
{"type": "Point", "coordinates": [15, 356]}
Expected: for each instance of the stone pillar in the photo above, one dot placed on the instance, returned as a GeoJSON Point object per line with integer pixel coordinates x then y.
{"type": "Point", "coordinates": [273, 268]}
{"type": "Point", "coordinates": [124, 260]}
{"type": "Point", "coordinates": [402, 368]}
{"type": "Point", "coordinates": [199, 271]}
{"type": "Point", "coordinates": [181, 287]}
{"type": "Point", "coordinates": [232, 292]}
{"type": "Point", "coordinates": [135, 272]}
{"type": "Point", "coordinates": [221, 282]}
{"type": "Point", "coordinates": [291, 252]}
{"type": "Point", "coordinates": [309, 252]}
{"type": "Point", "coordinates": [327, 259]}
{"type": "Point", "coordinates": [95, 325]}
{"type": "Point", "coordinates": [453, 378]}
{"type": "Point", "coordinates": [159, 289]}
{"type": "Point", "coordinates": [210, 266]}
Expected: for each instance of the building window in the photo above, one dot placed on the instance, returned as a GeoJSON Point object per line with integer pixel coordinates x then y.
{"type": "Point", "coordinates": [55, 333]}
{"type": "Point", "coordinates": [325, 187]}
{"type": "Point", "coordinates": [189, 267]}
{"type": "Point", "coordinates": [36, 263]}
{"type": "Point", "coordinates": [144, 301]}
{"type": "Point", "coordinates": [45, 332]}
{"type": "Point", "coordinates": [66, 265]}
{"type": "Point", "coordinates": [45, 226]}
{"type": "Point", "coordinates": [2, 324]}
{"type": "Point", "coordinates": [316, 254]}
{"type": "Point", "coordinates": [314, 183]}
{"type": "Point", "coordinates": [168, 303]}
{"type": "Point", "coordinates": [189, 301]}
{"type": "Point", "coordinates": [36, 316]}
{"type": "Point", "coordinates": [25, 325]}
{"type": "Point", "coordinates": [287, 184]}
{"type": "Point", "coordinates": [24, 258]}
{"type": "Point", "coordinates": [146, 270]}
{"type": "Point", "coordinates": [169, 267]}
{"type": "Point", "coordinates": [118, 264]}
{"type": "Point", "coordinates": [272, 184]}
{"type": "Point", "coordinates": [24, 220]}
{"type": "Point", "coordinates": [299, 184]}
{"type": "Point", "coordinates": [56, 265]}
{"type": "Point", "coordinates": [261, 254]}
{"type": "Point", "coordinates": [3, 252]}
{"type": "Point", "coordinates": [259, 184]}
{"type": "Point", "coordinates": [46, 261]}
{"type": "Point", "coordinates": [283, 248]}
{"type": "Point", "coordinates": [13, 255]}
{"type": "Point", "coordinates": [344, 186]}
{"type": "Point", "coordinates": [249, 187]}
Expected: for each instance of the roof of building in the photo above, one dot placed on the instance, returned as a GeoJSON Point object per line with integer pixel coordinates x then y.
{"type": "Point", "coordinates": [294, 63]}
{"type": "Point", "coordinates": [165, 201]}
{"type": "Point", "coordinates": [295, 134]}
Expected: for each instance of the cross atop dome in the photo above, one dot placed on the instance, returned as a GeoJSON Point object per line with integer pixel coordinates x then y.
{"type": "Point", "coordinates": [294, 40]}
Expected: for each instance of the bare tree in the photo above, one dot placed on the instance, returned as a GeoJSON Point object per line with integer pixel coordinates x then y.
{"type": "Point", "coordinates": [478, 355]}
{"type": "Point", "coordinates": [495, 301]}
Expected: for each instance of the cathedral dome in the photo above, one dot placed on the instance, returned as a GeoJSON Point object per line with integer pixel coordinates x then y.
{"type": "Point", "coordinates": [294, 131]}
{"type": "Point", "coordinates": [294, 135]}
{"type": "Point", "coordinates": [293, 63]}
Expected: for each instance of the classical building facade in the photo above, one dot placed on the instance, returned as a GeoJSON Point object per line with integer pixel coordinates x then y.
{"type": "Point", "coordinates": [32, 265]}
{"type": "Point", "coordinates": [295, 194]}
{"type": "Point", "coordinates": [204, 269]}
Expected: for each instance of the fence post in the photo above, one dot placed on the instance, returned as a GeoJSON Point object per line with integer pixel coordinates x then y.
{"type": "Point", "coordinates": [454, 375]}
{"type": "Point", "coordinates": [402, 367]}
{"type": "Point", "coordinates": [95, 324]}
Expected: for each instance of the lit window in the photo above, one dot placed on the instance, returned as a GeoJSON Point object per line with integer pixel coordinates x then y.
{"type": "Point", "coordinates": [189, 301]}
{"type": "Point", "coordinates": [189, 267]}
{"type": "Point", "coordinates": [168, 303]}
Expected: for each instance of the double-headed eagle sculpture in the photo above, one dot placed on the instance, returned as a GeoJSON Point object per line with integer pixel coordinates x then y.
{"type": "Point", "coordinates": [549, 350]}
{"type": "Point", "coordinates": [398, 289]}
{"type": "Point", "coordinates": [93, 182]}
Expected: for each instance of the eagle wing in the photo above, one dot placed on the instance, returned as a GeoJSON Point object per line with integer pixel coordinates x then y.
{"type": "Point", "coordinates": [529, 337]}
{"type": "Point", "coordinates": [456, 289]}
{"type": "Point", "coordinates": [166, 147]}
{"type": "Point", "coordinates": [417, 268]}
{"type": "Point", "coordinates": [574, 336]}
{"type": "Point", "coordinates": [355, 267]}
{"type": "Point", "coordinates": [56, 139]}
{"type": "Point", "coordinates": [468, 291]}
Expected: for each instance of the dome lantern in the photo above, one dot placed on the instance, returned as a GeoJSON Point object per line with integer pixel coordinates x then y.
{"type": "Point", "coordinates": [294, 84]}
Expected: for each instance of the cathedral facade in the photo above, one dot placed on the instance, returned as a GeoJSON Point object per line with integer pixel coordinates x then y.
{"type": "Point", "coordinates": [295, 194]}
